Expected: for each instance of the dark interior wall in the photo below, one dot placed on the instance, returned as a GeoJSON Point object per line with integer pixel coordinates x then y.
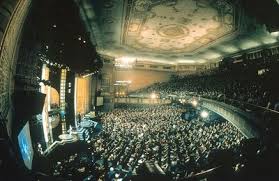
{"type": "Point", "coordinates": [12, 17]}
{"type": "Point", "coordinates": [28, 67]}
{"type": "Point", "coordinates": [265, 12]}
{"type": "Point", "coordinates": [61, 30]}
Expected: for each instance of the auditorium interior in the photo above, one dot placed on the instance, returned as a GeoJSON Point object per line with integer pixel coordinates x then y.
{"type": "Point", "coordinates": [139, 90]}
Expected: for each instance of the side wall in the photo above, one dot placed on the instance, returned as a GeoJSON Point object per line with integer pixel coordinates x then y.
{"type": "Point", "coordinates": [12, 17]}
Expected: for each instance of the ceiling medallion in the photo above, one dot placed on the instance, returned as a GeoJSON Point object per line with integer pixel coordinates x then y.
{"type": "Point", "coordinates": [173, 31]}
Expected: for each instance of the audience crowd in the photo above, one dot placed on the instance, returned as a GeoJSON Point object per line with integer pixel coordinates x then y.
{"type": "Point", "coordinates": [253, 90]}
{"type": "Point", "coordinates": [136, 134]}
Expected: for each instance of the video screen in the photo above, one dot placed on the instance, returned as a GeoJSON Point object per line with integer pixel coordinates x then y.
{"type": "Point", "coordinates": [25, 145]}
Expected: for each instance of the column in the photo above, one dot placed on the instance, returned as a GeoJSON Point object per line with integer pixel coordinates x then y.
{"type": "Point", "coordinates": [62, 99]}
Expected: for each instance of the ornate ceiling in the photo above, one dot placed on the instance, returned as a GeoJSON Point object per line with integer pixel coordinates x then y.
{"type": "Point", "coordinates": [171, 31]}
{"type": "Point", "coordinates": [176, 26]}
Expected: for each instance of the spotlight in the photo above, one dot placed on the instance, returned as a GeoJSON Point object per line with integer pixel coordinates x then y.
{"type": "Point", "coordinates": [117, 175]}
{"type": "Point", "coordinates": [153, 96]}
{"type": "Point", "coordinates": [204, 114]}
{"type": "Point", "coordinates": [194, 103]}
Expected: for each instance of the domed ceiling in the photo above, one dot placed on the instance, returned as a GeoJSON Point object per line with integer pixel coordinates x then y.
{"type": "Point", "coordinates": [171, 31]}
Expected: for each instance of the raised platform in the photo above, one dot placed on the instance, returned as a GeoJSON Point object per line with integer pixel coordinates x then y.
{"type": "Point", "coordinates": [66, 137]}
